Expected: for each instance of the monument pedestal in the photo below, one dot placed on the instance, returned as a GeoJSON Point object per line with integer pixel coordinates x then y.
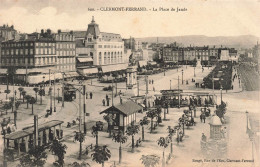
{"type": "Point", "coordinates": [198, 65]}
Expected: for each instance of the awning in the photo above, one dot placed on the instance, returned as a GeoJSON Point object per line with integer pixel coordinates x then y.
{"type": "Point", "coordinates": [115, 67]}
{"type": "Point", "coordinates": [142, 63]}
{"type": "Point", "coordinates": [89, 71]}
{"type": "Point", "coordinates": [84, 59]}
{"type": "Point", "coordinates": [152, 63]}
{"type": "Point", "coordinates": [3, 71]}
{"type": "Point", "coordinates": [36, 79]}
{"type": "Point", "coordinates": [71, 74]}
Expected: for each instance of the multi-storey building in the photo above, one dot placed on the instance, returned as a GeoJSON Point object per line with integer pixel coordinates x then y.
{"type": "Point", "coordinates": [106, 49]}
{"type": "Point", "coordinates": [187, 55]}
{"type": "Point", "coordinates": [65, 51]}
{"type": "Point", "coordinates": [35, 55]}
{"type": "Point", "coordinates": [7, 33]}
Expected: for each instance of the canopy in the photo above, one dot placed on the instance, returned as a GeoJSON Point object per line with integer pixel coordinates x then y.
{"type": "Point", "coordinates": [126, 108]}
{"type": "Point", "coordinates": [3, 71]}
{"type": "Point", "coordinates": [114, 67]}
{"type": "Point", "coordinates": [84, 59]}
{"type": "Point", "coordinates": [142, 63]}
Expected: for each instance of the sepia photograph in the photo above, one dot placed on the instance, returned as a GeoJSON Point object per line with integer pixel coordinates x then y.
{"type": "Point", "coordinates": [129, 83]}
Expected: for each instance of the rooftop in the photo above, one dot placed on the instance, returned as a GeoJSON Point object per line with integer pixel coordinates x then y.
{"type": "Point", "coordinates": [126, 108]}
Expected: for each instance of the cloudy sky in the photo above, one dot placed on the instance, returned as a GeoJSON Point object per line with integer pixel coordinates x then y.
{"type": "Point", "coordinates": [203, 17]}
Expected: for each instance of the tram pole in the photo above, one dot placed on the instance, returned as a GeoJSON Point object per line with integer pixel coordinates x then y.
{"type": "Point", "coordinates": [179, 91]}
{"type": "Point", "coordinates": [80, 122]}
{"type": "Point", "coordinates": [84, 108]}
{"type": "Point", "coordinates": [50, 90]}
{"type": "Point", "coordinates": [54, 93]}
{"type": "Point", "coordinates": [146, 92]}
{"type": "Point", "coordinates": [62, 89]}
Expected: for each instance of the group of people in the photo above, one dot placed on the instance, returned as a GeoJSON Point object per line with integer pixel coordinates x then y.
{"type": "Point", "coordinates": [104, 101]}
{"type": "Point", "coordinates": [90, 95]}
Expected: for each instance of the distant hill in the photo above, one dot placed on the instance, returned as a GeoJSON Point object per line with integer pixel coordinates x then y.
{"type": "Point", "coordinates": [243, 41]}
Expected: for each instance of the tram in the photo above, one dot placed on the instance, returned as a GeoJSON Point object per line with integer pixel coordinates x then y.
{"type": "Point", "coordinates": [69, 92]}
{"type": "Point", "coordinates": [178, 98]}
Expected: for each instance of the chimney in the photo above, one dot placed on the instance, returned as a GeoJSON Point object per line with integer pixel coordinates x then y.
{"type": "Point", "coordinates": [71, 32]}
{"type": "Point", "coordinates": [26, 36]}
{"type": "Point", "coordinates": [42, 31]}
{"type": "Point", "coordinates": [59, 31]}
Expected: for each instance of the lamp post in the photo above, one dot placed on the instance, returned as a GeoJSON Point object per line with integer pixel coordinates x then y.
{"type": "Point", "coordinates": [54, 93]}
{"type": "Point", "coordinates": [43, 80]}
{"type": "Point", "coordinates": [170, 84]}
{"type": "Point", "coordinates": [182, 76]}
{"type": "Point", "coordinates": [179, 93]}
{"type": "Point", "coordinates": [221, 94]}
{"type": "Point", "coordinates": [58, 95]}
{"type": "Point", "coordinates": [194, 72]}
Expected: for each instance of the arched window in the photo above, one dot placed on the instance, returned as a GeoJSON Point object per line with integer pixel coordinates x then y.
{"type": "Point", "coordinates": [112, 58]}
{"type": "Point", "coordinates": [108, 58]}
{"type": "Point", "coordinates": [100, 58]}
{"type": "Point", "coordinates": [105, 58]}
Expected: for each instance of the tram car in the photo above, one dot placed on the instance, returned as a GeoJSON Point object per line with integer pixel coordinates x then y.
{"type": "Point", "coordinates": [69, 93]}
{"type": "Point", "coordinates": [178, 98]}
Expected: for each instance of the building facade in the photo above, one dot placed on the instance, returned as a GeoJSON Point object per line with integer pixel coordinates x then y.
{"type": "Point", "coordinates": [105, 50]}
{"type": "Point", "coordinates": [35, 55]}
{"type": "Point", "coordinates": [66, 51]}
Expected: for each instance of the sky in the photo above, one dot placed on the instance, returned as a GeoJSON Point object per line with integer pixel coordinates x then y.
{"type": "Point", "coordinates": [203, 17]}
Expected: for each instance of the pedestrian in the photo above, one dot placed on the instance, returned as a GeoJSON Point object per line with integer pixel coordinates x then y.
{"type": "Point", "coordinates": [200, 117]}
{"type": "Point", "coordinates": [86, 95]}
{"type": "Point", "coordinates": [152, 81]}
{"type": "Point", "coordinates": [204, 117]}
{"type": "Point", "coordinates": [103, 101]}
{"type": "Point", "coordinates": [90, 95]}
{"type": "Point", "coordinates": [203, 137]}
{"type": "Point", "coordinates": [107, 102]}
{"type": "Point", "coordinates": [232, 87]}
{"type": "Point", "coordinates": [106, 97]}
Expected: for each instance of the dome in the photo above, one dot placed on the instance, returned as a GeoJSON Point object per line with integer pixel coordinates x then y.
{"type": "Point", "coordinates": [215, 120]}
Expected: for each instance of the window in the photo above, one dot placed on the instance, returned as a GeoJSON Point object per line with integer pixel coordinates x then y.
{"type": "Point", "coordinates": [99, 46]}
{"type": "Point", "coordinates": [31, 51]}
{"type": "Point", "coordinates": [100, 58]}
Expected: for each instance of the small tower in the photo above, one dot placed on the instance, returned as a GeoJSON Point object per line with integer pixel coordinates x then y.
{"type": "Point", "coordinates": [131, 81]}
{"type": "Point", "coordinates": [215, 128]}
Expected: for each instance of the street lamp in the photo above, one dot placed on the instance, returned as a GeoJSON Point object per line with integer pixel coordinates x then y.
{"type": "Point", "coordinates": [182, 76]}
{"type": "Point", "coordinates": [170, 84]}
{"type": "Point", "coordinates": [58, 95]}
{"type": "Point", "coordinates": [221, 94]}
{"type": "Point", "coordinates": [194, 72]}
{"type": "Point", "coordinates": [43, 80]}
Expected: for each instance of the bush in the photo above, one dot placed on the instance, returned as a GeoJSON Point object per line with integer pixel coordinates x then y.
{"type": "Point", "coordinates": [226, 76]}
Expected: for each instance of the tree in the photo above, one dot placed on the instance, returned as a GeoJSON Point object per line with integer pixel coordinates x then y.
{"type": "Point", "coordinates": [119, 138]}
{"type": "Point", "coordinates": [7, 92]}
{"type": "Point", "coordinates": [163, 142]}
{"type": "Point", "coordinates": [59, 150]}
{"type": "Point", "coordinates": [7, 106]}
{"type": "Point", "coordinates": [151, 114]}
{"type": "Point", "coordinates": [28, 98]}
{"type": "Point", "coordinates": [82, 164]}
{"type": "Point", "coordinates": [21, 89]}
{"type": "Point", "coordinates": [150, 160]}
{"type": "Point", "coordinates": [32, 101]}
{"type": "Point", "coordinates": [101, 154]}
{"type": "Point", "coordinates": [79, 136]}
{"type": "Point", "coordinates": [24, 94]}
{"type": "Point", "coordinates": [41, 93]}
{"type": "Point", "coordinates": [143, 122]}
{"type": "Point", "coordinates": [98, 127]}
{"type": "Point", "coordinates": [171, 132]}
{"type": "Point", "coordinates": [9, 154]}
{"type": "Point", "coordinates": [131, 131]}
{"type": "Point", "coordinates": [11, 71]}
{"type": "Point", "coordinates": [36, 90]}
{"type": "Point", "coordinates": [35, 158]}
{"type": "Point", "coordinates": [109, 119]}
{"type": "Point", "coordinates": [221, 110]}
